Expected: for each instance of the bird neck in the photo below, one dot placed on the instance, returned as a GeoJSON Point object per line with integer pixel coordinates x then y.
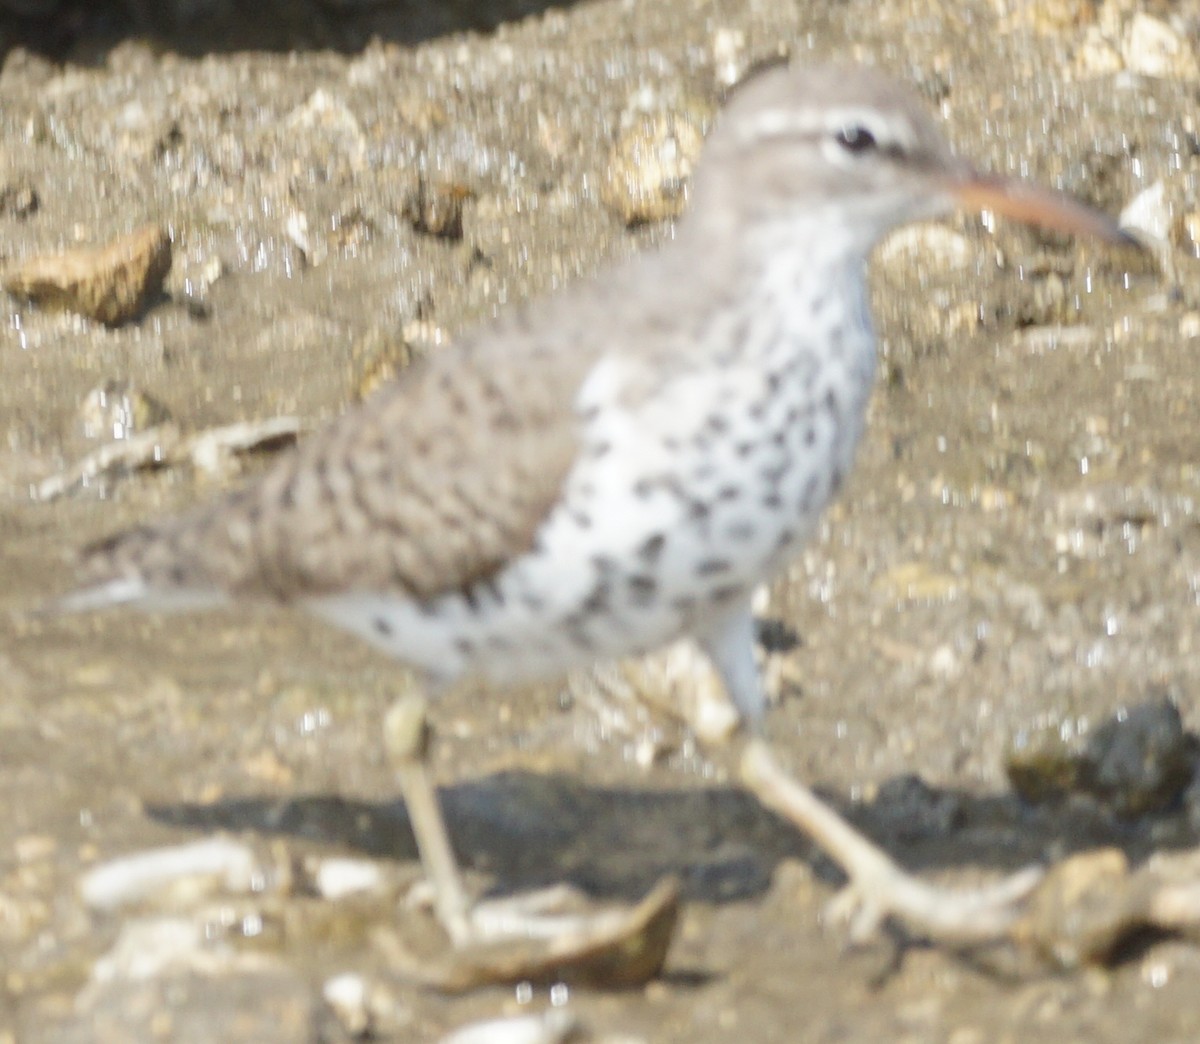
{"type": "Point", "coordinates": [806, 277]}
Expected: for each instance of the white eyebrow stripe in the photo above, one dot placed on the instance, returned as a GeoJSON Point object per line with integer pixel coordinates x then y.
{"type": "Point", "coordinates": [776, 123]}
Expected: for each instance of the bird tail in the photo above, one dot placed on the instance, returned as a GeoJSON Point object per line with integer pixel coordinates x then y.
{"type": "Point", "coordinates": [120, 590]}
{"type": "Point", "coordinates": [122, 570]}
{"type": "Point", "coordinates": [130, 591]}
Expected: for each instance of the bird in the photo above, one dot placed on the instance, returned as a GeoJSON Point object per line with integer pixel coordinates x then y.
{"type": "Point", "coordinates": [602, 471]}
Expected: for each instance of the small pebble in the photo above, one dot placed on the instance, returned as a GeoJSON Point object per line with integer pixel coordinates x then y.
{"type": "Point", "coordinates": [1152, 48]}
{"type": "Point", "coordinates": [19, 199]}
{"type": "Point", "coordinates": [652, 157]}
{"type": "Point", "coordinates": [381, 355]}
{"type": "Point", "coordinates": [1140, 761]}
{"type": "Point", "coordinates": [111, 284]}
{"type": "Point", "coordinates": [931, 245]}
{"type": "Point", "coordinates": [118, 410]}
{"type": "Point", "coordinates": [436, 208]}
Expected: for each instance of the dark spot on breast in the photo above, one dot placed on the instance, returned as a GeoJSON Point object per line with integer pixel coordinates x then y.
{"type": "Point", "coordinates": [712, 566]}
{"type": "Point", "coordinates": [532, 602]}
{"type": "Point", "coordinates": [717, 423]}
{"type": "Point", "coordinates": [642, 488]}
{"type": "Point", "coordinates": [674, 486]}
{"type": "Point", "coordinates": [600, 449]}
{"type": "Point", "coordinates": [740, 531]}
{"type": "Point", "coordinates": [727, 593]}
{"type": "Point", "coordinates": [577, 636]}
{"type": "Point", "coordinates": [642, 589]}
{"type": "Point", "coordinates": [772, 501]}
{"type": "Point", "coordinates": [774, 472]}
{"type": "Point", "coordinates": [810, 435]}
{"type": "Point", "coordinates": [835, 480]}
{"type": "Point", "coordinates": [729, 492]}
{"type": "Point", "coordinates": [698, 510]}
{"type": "Point", "coordinates": [597, 600]}
{"type": "Point", "coordinates": [383, 626]}
{"type": "Point", "coordinates": [464, 646]}
{"type": "Point", "coordinates": [582, 519]}
{"type": "Point", "coordinates": [808, 494]}
{"type": "Point", "coordinates": [744, 449]}
{"type": "Point", "coordinates": [651, 548]}
{"type": "Point", "coordinates": [603, 564]}
{"type": "Point", "coordinates": [684, 604]}
{"type": "Point", "coordinates": [177, 575]}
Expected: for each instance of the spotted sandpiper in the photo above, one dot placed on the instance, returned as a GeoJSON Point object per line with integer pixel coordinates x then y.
{"type": "Point", "coordinates": [603, 471]}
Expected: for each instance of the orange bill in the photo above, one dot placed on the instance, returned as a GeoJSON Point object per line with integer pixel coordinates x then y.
{"type": "Point", "coordinates": [1034, 205]}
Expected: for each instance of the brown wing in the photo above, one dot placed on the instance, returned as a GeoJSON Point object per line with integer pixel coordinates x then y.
{"type": "Point", "coordinates": [430, 486]}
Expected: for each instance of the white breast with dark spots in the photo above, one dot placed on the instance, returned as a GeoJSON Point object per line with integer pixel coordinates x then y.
{"type": "Point", "coordinates": [687, 494]}
{"type": "Point", "coordinates": [681, 506]}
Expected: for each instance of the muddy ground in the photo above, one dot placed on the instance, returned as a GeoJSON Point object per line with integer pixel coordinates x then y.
{"type": "Point", "coordinates": [1019, 546]}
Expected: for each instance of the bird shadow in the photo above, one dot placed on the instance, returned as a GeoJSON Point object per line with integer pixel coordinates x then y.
{"type": "Point", "coordinates": [528, 830]}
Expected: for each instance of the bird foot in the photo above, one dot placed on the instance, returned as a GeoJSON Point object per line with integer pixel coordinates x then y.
{"type": "Point", "coordinates": [954, 916]}
{"type": "Point", "coordinates": [879, 890]}
{"type": "Point", "coordinates": [544, 936]}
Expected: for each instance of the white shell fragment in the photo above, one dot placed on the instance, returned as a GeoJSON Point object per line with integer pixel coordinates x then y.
{"type": "Point", "coordinates": [148, 948]}
{"type": "Point", "coordinates": [202, 866]}
{"type": "Point", "coordinates": [346, 994]}
{"type": "Point", "coordinates": [336, 878]}
{"type": "Point", "coordinates": [211, 451]}
{"type": "Point", "coordinates": [550, 1027]}
{"type": "Point", "coordinates": [1149, 213]}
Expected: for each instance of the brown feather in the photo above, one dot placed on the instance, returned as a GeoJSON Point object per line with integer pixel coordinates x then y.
{"type": "Point", "coordinates": [430, 486]}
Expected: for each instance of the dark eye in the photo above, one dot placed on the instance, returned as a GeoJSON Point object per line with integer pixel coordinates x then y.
{"type": "Point", "coordinates": [855, 138]}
